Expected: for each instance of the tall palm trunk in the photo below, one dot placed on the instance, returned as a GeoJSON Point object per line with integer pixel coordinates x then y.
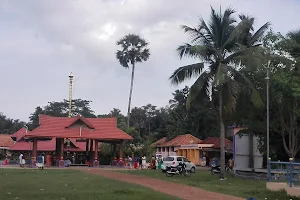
{"type": "Point", "coordinates": [222, 136]}
{"type": "Point", "coordinates": [130, 94]}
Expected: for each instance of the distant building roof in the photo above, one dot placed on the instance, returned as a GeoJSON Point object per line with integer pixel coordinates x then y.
{"type": "Point", "coordinates": [217, 142]}
{"type": "Point", "coordinates": [19, 134]}
{"type": "Point", "coordinates": [158, 142]}
{"type": "Point", "coordinates": [180, 140]}
{"type": "Point", "coordinates": [5, 141]}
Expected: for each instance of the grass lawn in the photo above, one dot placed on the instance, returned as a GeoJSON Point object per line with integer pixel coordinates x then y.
{"type": "Point", "coordinates": [66, 185]}
{"type": "Point", "coordinates": [233, 186]}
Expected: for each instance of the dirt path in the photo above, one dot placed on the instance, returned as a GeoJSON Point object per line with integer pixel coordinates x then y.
{"type": "Point", "coordinates": [174, 189]}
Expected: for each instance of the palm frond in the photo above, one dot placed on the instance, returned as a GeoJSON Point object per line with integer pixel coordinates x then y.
{"type": "Point", "coordinates": [186, 72]}
{"type": "Point", "coordinates": [240, 52]}
{"type": "Point", "coordinates": [220, 75]}
{"type": "Point", "coordinates": [197, 35]}
{"type": "Point", "coordinates": [260, 33]}
{"type": "Point", "coordinates": [247, 85]}
{"type": "Point", "coordinates": [122, 58]}
{"type": "Point", "coordinates": [195, 51]}
{"type": "Point", "coordinates": [237, 33]}
{"type": "Point", "coordinates": [230, 94]}
{"type": "Point", "coordinates": [200, 88]}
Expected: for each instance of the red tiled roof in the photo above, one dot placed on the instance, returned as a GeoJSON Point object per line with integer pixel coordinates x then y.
{"type": "Point", "coordinates": [19, 134]}
{"type": "Point", "coordinates": [5, 141]}
{"type": "Point", "coordinates": [105, 128]}
{"type": "Point", "coordinates": [48, 145]}
{"type": "Point", "coordinates": [158, 142]}
{"type": "Point", "coordinates": [83, 120]}
{"type": "Point", "coordinates": [216, 142]}
{"type": "Point", "coordinates": [181, 140]}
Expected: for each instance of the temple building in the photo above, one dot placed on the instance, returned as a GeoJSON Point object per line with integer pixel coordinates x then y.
{"type": "Point", "coordinates": [65, 137]}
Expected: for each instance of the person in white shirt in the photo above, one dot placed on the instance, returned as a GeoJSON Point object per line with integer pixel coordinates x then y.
{"type": "Point", "coordinates": [144, 162]}
{"type": "Point", "coordinates": [20, 160]}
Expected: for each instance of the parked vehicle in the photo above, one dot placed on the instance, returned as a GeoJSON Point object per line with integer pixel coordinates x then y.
{"type": "Point", "coordinates": [173, 161]}
{"type": "Point", "coordinates": [178, 170]}
{"type": "Point", "coordinates": [216, 169]}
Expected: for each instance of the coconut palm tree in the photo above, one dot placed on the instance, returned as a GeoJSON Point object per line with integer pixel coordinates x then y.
{"type": "Point", "coordinates": [219, 45]}
{"type": "Point", "coordinates": [134, 49]}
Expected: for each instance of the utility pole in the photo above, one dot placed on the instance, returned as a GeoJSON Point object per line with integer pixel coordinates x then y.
{"type": "Point", "coordinates": [268, 114]}
{"type": "Point", "coordinates": [70, 93]}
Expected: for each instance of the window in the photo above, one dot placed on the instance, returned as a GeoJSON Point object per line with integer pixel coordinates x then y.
{"type": "Point", "coordinates": [159, 149]}
{"type": "Point", "coordinates": [185, 160]}
{"type": "Point", "coordinates": [169, 159]}
{"type": "Point", "coordinates": [179, 158]}
{"type": "Point", "coordinates": [172, 148]}
{"type": "Point", "coordinates": [167, 149]}
{"type": "Point", "coordinates": [163, 149]}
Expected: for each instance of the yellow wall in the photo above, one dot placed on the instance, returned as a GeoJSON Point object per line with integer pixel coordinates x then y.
{"type": "Point", "coordinates": [191, 154]}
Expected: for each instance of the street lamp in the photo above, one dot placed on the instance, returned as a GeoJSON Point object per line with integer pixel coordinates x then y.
{"type": "Point", "coordinates": [268, 115]}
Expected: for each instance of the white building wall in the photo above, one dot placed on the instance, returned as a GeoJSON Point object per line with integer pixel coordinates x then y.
{"type": "Point", "coordinates": [166, 152]}
{"type": "Point", "coordinates": [242, 152]}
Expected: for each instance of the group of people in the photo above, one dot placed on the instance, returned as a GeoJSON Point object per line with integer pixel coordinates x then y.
{"type": "Point", "coordinates": [141, 162]}
{"type": "Point", "coordinates": [40, 161]}
{"type": "Point", "coordinates": [137, 163]}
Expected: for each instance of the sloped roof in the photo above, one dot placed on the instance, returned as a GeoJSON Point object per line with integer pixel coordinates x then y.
{"type": "Point", "coordinates": [181, 140]}
{"type": "Point", "coordinates": [217, 142]}
{"type": "Point", "coordinates": [19, 134]}
{"type": "Point", "coordinates": [104, 128]}
{"type": "Point", "coordinates": [48, 145]}
{"type": "Point", "coordinates": [81, 119]}
{"type": "Point", "coordinates": [5, 141]}
{"type": "Point", "coordinates": [158, 142]}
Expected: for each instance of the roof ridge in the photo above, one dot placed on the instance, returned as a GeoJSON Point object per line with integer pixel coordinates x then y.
{"type": "Point", "coordinates": [83, 119]}
{"type": "Point", "coordinates": [184, 137]}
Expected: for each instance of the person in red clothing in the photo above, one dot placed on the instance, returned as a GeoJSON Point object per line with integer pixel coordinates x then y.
{"type": "Point", "coordinates": [5, 162]}
{"type": "Point", "coordinates": [48, 160]}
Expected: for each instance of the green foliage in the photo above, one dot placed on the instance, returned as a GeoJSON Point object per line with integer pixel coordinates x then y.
{"type": "Point", "coordinates": [61, 109]}
{"type": "Point", "coordinates": [224, 45]}
{"type": "Point", "coordinates": [8, 125]}
{"type": "Point", "coordinates": [133, 49]}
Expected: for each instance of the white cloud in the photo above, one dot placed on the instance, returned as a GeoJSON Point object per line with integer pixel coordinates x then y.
{"type": "Point", "coordinates": [43, 41]}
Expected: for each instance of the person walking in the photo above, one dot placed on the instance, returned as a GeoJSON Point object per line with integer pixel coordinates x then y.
{"type": "Point", "coordinates": [144, 162]}
{"type": "Point", "coordinates": [40, 162]}
{"type": "Point", "coordinates": [20, 159]}
{"type": "Point", "coordinates": [140, 162]}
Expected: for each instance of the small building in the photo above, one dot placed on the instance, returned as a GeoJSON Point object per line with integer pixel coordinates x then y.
{"type": "Point", "coordinates": [191, 147]}
{"type": "Point", "coordinates": [211, 148]}
{"type": "Point", "coordinates": [5, 143]}
{"type": "Point", "coordinates": [172, 147]}
{"type": "Point", "coordinates": [246, 154]}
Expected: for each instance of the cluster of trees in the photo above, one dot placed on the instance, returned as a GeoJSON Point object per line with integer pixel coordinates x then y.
{"type": "Point", "coordinates": [147, 124]}
{"type": "Point", "coordinates": [233, 61]}
{"type": "Point", "coordinates": [8, 125]}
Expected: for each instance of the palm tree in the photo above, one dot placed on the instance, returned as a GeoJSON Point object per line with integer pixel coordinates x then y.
{"type": "Point", "coordinates": [220, 45]}
{"type": "Point", "coordinates": [134, 49]}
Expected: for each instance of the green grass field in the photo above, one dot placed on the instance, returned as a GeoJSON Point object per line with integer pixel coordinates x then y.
{"type": "Point", "coordinates": [67, 185]}
{"type": "Point", "coordinates": [232, 186]}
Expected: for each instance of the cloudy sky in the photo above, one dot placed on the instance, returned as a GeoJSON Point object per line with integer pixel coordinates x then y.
{"type": "Point", "coordinates": [42, 41]}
